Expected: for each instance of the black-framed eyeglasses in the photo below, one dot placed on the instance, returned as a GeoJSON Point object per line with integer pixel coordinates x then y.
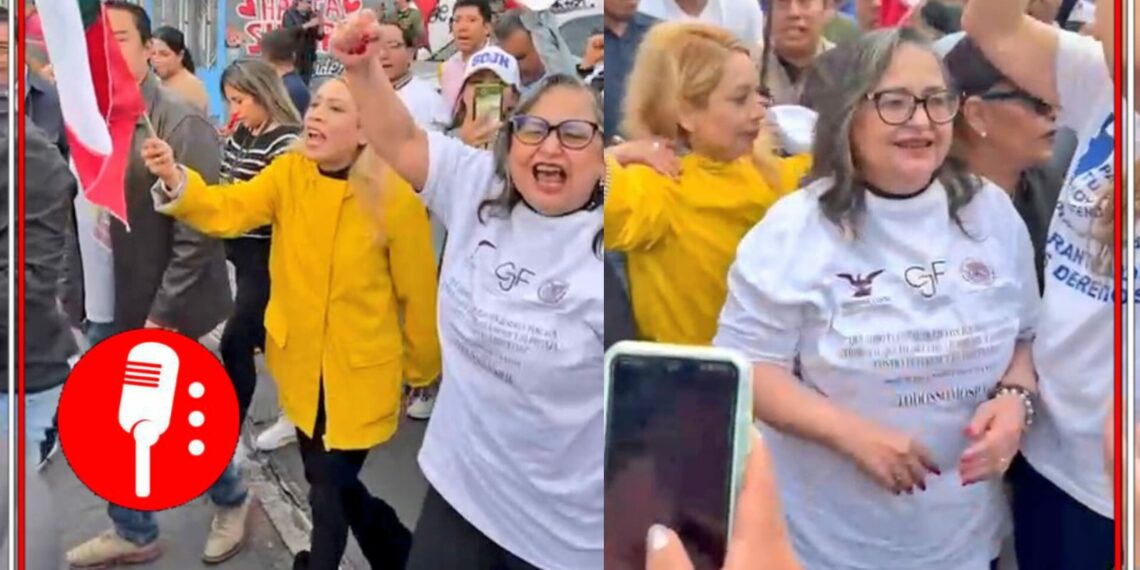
{"type": "Point", "coordinates": [573, 134]}
{"type": "Point", "coordinates": [1039, 105]}
{"type": "Point", "coordinates": [897, 108]}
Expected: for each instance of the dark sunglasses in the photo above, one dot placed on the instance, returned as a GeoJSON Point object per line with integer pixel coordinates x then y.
{"type": "Point", "coordinates": [1040, 106]}
{"type": "Point", "coordinates": [572, 134]}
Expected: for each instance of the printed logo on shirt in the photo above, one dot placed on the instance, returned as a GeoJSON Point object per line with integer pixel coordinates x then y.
{"type": "Point", "coordinates": [553, 291]}
{"type": "Point", "coordinates": [511, 276]}
{"type": "Point", "coordinates": [925, 278]}
{"type": "Point", "coordinates": [977, 273]}
{"type": "Point", "coordinates": [861, 285]}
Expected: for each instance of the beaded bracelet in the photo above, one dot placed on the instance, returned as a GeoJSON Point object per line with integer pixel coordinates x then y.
{"type": "Point", "coordinates": [1021, 392]}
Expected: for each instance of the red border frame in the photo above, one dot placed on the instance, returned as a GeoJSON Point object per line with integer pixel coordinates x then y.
{"type": "Point", "coordinates": [18, 312]}
{"type": "Point", "coordinates": [17, 69]}
{"type": "Point", "coordinates": [1118, 349]}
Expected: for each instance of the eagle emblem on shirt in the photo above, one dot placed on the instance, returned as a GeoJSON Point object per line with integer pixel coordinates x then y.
{"type": "Point", "coordinates": [859, 283]}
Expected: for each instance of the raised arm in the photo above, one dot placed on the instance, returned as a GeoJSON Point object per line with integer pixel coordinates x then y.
{"type": "Point", "coordinates": [1024, 49]}
{"type": "Point", "coordinates": [388, 126]}
{"type": "Point", "coordinates": [220, 211]}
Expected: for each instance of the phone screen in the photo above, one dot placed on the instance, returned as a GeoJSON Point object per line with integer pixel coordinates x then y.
{"type": "Point", "coordinates": [489, 101]}
{"type": "Point", "coordinates": [669, 453]}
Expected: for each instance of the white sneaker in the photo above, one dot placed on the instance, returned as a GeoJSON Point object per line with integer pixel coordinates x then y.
{"type": "Point", "coordinates": [421, 403]}
{"type": "Point", "coordinates": [278, 435]}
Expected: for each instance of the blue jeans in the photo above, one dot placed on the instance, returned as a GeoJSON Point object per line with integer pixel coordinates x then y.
{"type": "Point", "coordinates": [41, 407]}
{"type": "Point", "coordinates": [140, 527]}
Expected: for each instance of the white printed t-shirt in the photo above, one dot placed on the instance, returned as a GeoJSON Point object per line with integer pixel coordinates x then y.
{"type": "Point", "coordinates": [517, 443]}
{"type": "Point", "coordinates": [909, 325]}
{"type": "Point", "coordinates": [1074, 350]}
{"type": "Point", "coordinates": [741, 17]}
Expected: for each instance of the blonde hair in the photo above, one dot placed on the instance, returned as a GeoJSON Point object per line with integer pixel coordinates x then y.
{"type": "Point", "coordinates": [683, 63]}
{"type": "Point", "coordinates": [368, 179]}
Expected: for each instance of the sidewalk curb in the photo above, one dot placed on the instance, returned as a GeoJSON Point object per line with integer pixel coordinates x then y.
{"type": "Point", "coordinates": [283, 501]}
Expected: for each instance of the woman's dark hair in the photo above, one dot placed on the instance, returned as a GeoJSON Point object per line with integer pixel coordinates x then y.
{"type": "Point", "coordinates": [503, 204]}
{"type": "Point", "coordinates": [844, 203]}
{"type": "Point", "coordinates": [176, 41]}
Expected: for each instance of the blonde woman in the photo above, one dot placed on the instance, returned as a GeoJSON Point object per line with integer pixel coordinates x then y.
{"type": "Point", "coordinates": [693, 87]}
{"type": "Point", "coordinates": [348, 265]}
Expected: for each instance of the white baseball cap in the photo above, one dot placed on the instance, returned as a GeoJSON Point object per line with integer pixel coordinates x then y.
{"type": "Point", "coordinates": [497, 61]}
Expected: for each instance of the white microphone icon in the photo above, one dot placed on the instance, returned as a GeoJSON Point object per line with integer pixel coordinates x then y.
{"type": "Point", "coordinates": [149, 384]}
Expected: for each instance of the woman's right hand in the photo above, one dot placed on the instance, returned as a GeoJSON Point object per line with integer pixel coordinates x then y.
{"type": "Point", "coordinates": [479, 133]}
{"type": "Point", "coordinates": [896, 461]}
{"type": "Point", "coordinates": [159, 159]}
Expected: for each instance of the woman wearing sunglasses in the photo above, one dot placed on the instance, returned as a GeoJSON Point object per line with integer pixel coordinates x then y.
{"type": "Point", "coordinates": [903, 288]}
{"type": "Point", "coordinates": [1057, 482]}
{"type": "Point", "coordinates": [693, 88]}
{"type": "Point", "coordinates": [1007, 136]}
{"type": "Point", "coordinates": [515, 471]}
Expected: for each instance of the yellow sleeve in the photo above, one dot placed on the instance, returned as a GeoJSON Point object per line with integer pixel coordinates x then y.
{"type": "Point", "coordinates": [637, 208]}
{"type": "Point", "coordinates": [228, 210]}
{"type": "Point", "coordinates": [792, 170]}
{"type": "Point", "coordinates": [411, 257]}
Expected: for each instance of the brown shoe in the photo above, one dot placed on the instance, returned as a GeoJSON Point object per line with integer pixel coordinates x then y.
{"type": "Point", "coordinates": [227, 533]}
{"type": "Point", "coordinates": [108, 550]}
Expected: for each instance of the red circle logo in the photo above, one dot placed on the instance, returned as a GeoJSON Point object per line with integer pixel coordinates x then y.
{"type": "Point", "coordinates": [148, 419]}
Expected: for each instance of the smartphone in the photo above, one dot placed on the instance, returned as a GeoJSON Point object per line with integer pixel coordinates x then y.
{"type": "Point", "coordinates": [488, 101]}
{"type": "Point", "coordinates": [678, 427]}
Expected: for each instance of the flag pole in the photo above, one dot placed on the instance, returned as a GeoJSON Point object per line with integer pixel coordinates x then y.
{"type": "Point", "coordinates": [149, 125]}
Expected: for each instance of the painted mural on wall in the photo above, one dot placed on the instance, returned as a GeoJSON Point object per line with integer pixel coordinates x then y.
{"type": "Point", "coordinates": [249, 20]}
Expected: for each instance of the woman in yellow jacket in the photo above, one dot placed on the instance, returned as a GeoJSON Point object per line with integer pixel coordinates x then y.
{"type": "Point", "coordinates": [694, 86]}
{"type": "Point", "coordinates": [351, 255]}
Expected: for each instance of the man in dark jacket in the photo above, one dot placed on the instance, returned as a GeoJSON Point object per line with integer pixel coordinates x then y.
{"type": "Point", "coordinates": [309, 26]}
{"type": "Point", "coordinates": [48, 341]}
{"type": "Point", "coordinates": [167, 275]}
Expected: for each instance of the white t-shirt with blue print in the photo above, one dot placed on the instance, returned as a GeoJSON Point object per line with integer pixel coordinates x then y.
{"type": "Point", "coordinates": [1074, 350]}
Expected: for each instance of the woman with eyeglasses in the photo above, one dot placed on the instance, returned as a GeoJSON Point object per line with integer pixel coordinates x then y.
{"type": "Point", "coordinates": [888, 308]}
{"type": "Point", "coordinates": [695, 89]}
{"type": "Point", "coordinates": [515, 470]}
{"type": "Point", "coordinates": [1058, 482]}
{"type": "Point", "coordinates": [1007, 136]}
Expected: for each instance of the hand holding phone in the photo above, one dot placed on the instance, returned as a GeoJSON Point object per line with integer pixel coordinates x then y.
{"type": "Point", "coordinates": [678, 421]}
{"type": "Point", "coordinates": [760, 537]}
{"type": "Point", "coordinates": [488, 101]}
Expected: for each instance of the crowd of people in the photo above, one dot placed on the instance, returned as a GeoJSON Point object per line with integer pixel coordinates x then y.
{"type": "Point", "coordinates": [302, 230]}
{"type": "Point", "coordinates": [905, 221]}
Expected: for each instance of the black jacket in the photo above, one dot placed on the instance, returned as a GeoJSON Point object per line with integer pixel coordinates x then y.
{"type": "Point", "coordinates": [48, 190]}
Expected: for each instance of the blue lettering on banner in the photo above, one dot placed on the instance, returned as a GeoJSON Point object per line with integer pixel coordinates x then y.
{"type": "Point", "coordinates": [1069, 265]}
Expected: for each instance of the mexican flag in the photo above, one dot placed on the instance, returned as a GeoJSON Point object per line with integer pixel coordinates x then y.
{"type": "Point", "coordinates": [98, 94]}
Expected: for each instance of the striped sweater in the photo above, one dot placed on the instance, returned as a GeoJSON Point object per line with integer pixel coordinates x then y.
{"type": "Point", "coordinates": [246, 154]}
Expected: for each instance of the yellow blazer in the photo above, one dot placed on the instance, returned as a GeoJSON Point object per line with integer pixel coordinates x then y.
{"type": "Point", "coordinates": [338, 292]}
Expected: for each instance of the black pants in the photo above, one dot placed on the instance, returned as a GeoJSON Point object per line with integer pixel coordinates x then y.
{"type": "Point", "coordinates": [339, 501]}
{"type": "Point", "coordinates": [1052, 530]}
{"type": "Point", "coordinates": [245, 329]}
{"type": "Point", "coordinates": [444, 539]}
